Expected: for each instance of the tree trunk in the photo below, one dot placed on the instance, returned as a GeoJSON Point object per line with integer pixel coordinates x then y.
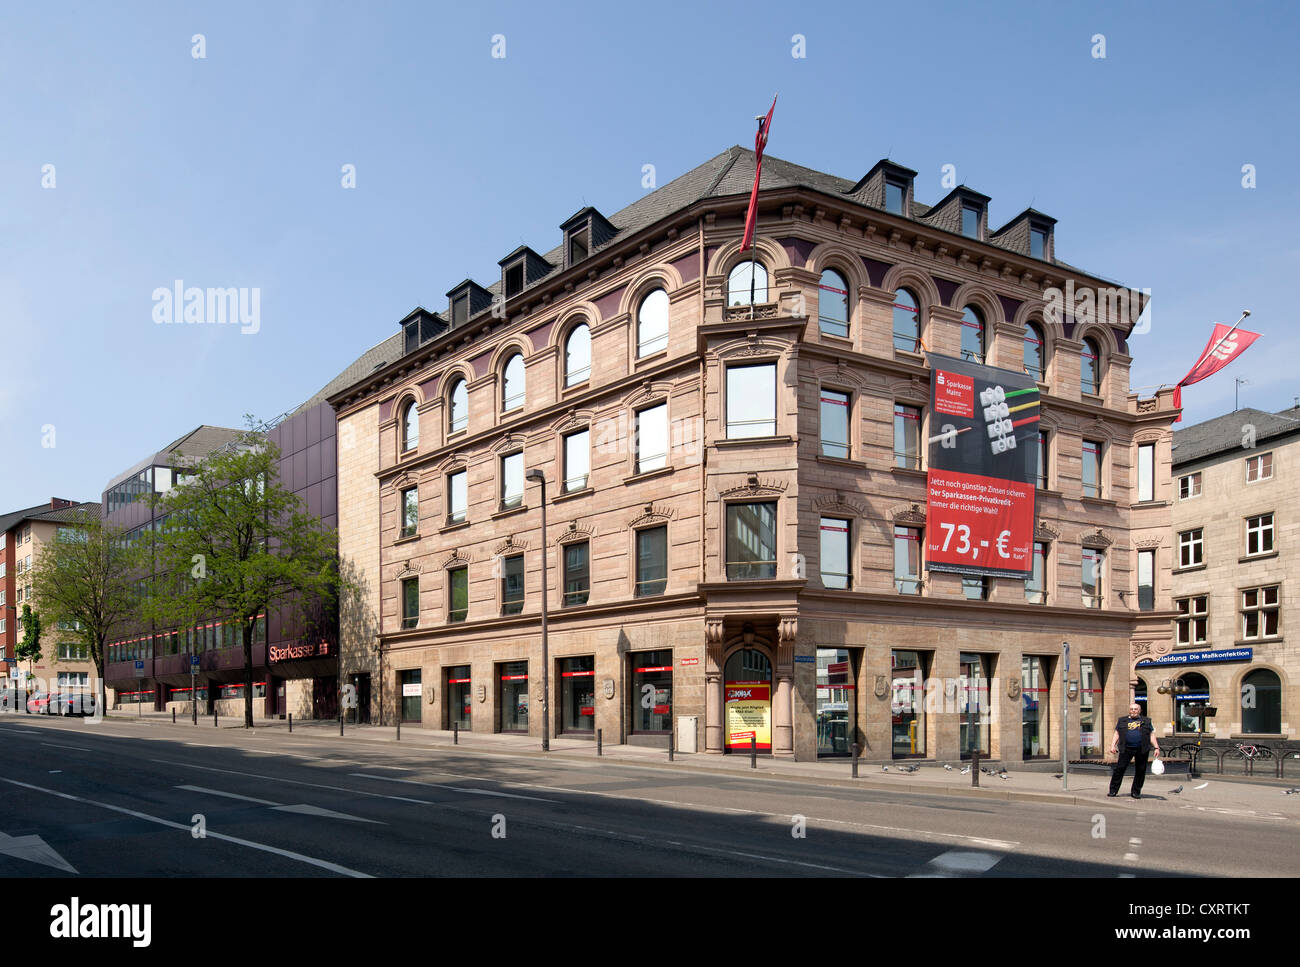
{"type": "Point", "coordinates": [248, 673]}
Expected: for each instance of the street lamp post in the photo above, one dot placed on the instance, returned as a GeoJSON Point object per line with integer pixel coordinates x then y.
{"type": "Point", "coordinates": [1065, 719]}
{"type": "Point", "coordinates": [537, 476]}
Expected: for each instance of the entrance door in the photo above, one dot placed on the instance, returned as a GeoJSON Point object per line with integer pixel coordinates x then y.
{"type": "Point", "coordinates": [578, 695]}
{"type": "Point", "coordinates": [361, 714]}
{"type": "Point", "coordinates": [325, 697]}
{"type": "Point", "coordinates": [836, 702]}
{"type": "Point", "coordinates": [281, 698]}
{"type": "Point", "coordinates": [747, 680]}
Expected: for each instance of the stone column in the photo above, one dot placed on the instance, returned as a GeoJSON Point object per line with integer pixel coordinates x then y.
{"type": "Point", "coordinates": [782, 711]}
{"type": "Point", "coordinates": [713, 686]}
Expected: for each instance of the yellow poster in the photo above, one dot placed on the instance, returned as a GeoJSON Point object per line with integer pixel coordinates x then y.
{"type": "Point", "coordinates": [749, 714]}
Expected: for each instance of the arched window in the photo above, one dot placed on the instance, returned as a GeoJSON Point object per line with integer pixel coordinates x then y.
{"type": "Point", "coordinates": [1034, 351]}
{"type": "Point", "coordinates": [1198, 693]}
{"type": "Point", "coordinates": [1140, 696]}
{"type": "Point", "coordinates": [512, 383]}
{"type": "Point", "coordinates": [972, 335]}
{"type": "Point", "coordinates": [458, 415]}
{"type": "Point", "coordinates": [907, 321]}
{"type": "Point", "coordinates": [745, 278]}
{"type": "Point", "coordinates": [1261, 703]}
{"type": "Point", "coordinates": [652, 324]}
{"type": "Point", "coordinates": [833, 304]}
{"type": "Point", "coordinates": [1090, 367]}
{"type": "Point", "coordinates": [410, 427]}
{"type": "Point", "coordinates": [577, 356]}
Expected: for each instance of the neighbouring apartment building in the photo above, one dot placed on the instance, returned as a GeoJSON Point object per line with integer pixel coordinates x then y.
{"type": "Point", "coordinates": [65, 663]}
{"type": "Point", "coordinates": [1236, 547]}
{"type": "Point", "coordinates": [734, 450]}
{"type": "Point", "coordinates": [293, 671]}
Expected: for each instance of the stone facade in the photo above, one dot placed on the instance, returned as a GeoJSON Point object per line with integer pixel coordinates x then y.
{"type": "Point", "coordinates": [701, 616]}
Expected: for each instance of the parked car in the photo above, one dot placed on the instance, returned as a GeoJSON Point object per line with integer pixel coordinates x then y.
{"type": "Point", "coordinates": [38, 702]}
{"type": "Point", "coordinates": [73, 703]}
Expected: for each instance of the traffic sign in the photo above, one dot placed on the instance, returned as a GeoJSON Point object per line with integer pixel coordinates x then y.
{"type": "Point", "coordinates": [139, 668]}
{"type": "Point", "coordinates": [194, 661]}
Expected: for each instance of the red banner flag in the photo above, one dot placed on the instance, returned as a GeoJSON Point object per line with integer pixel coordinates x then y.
{"type": "Point", "coordinates": [1225, 345]}
{"type": "Point", "coordinates": [760, 142]}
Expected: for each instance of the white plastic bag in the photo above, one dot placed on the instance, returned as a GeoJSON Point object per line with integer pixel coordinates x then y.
{"type": "Point", "coordinates": [1158, 767]}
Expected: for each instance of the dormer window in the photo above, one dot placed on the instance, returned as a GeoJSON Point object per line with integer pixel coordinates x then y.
{"type": "Point", "coordinates": [970, 221]}
{"type": "Point", "coordinates": [1038, 243]}
{"type": "Point", "coordinates": [895, 195]}
{"type": "Point", "coordinates": [467, 300]}
{"type": "Point", "coordinates": [514, 280]}
{"type": "Point", "coordinates": [585, 232]}
{"type": "Point", "coordinates": [578, 246]}
{"type": "Point", "coordinates": [460, 310]}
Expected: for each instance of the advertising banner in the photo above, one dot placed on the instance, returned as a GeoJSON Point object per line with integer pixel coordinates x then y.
{"type": "Point", "coordinates": [749, 713]}
{"type": "Point", "coordinates": [983, 464]}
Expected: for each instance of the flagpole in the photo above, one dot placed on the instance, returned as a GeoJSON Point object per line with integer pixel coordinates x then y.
{"type": "Point", "coordinates": [758, 167]}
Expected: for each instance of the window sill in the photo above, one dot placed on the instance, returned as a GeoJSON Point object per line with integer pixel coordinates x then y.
{"type": "Point", "coordinates": [577, 387]}
{"type": "Point", "coordinates": [509, 512]}
{"type": "Point", "coordinates": [572, 495]}
{"type": "Point", "coordinates": [1094, 398]}
{"type": "Point", "coordinates": [657, 356]}
{"type": "Point", "coordinates": [647, 475]}
{"type": "Point", "coordinates": [1257, 557]}
{"type": "Point", "coordinates": [1099, 501]}
{"type": "Point", "coordinates": [910, 357]}
{"type": "Point", "coordinates": [408, 539]}
{"type": "Point", "coordinates": [1190, 569]}
{"type": "Point", "coordinates": [907, 472]}
{"type": "Point", "coordinates": [1248, 642]}
{"type": "Point", "coordinates": [454, 527]}
{"type": "Point", "coordinates": [832, 337]}
{"type": "Point", "coordinates": [842, 461]}
{"type": "Point", "coordinates": [750, 440]}
{"type": "Point", "coordinates": [1049, 492]}
{"type": "Point", "coordinates": [1145, 504]}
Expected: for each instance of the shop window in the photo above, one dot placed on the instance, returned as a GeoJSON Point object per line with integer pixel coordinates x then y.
{"type": "Point", "coordinates": [835, 702]}
{"type": "Point", "coordinates": [907, 703]}
{"type": "Point", "coordinates": [512, 696]}
{"type": "Point", "coordinates": [1035, 690]}
{"type": "Point", "coordinates": [1197, 693]}
{"type": "Point", "coordinates": [652, 691]}
{"type": "Point", "coordinates": [973, 704]}
{"type": "Point", "coordinates": [411, 693]}
{"type": "Point", "coordinates": [1261, 703]}
{"type": "Point", "coordinates": [1091, 708]}
{"type": "Point", "coordinates": [459, 698]}
{"type": "Point", "coordinates": [747, 698]}
{"type": "Point", "coordinates": [578, 695]}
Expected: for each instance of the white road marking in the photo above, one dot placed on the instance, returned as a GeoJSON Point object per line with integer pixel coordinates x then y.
{"type": "Point", "coordinates": [1131, 857]}
{"type": "Point", "coordinates": [957, 862]}
{"type": "Point", "coordinates": [1134, 841]}
{"type": "Point", "coordinates": [34, 850]}
{"type": "Point", "coordinates": [289, 854]}
{"type": "Point", "coordinates": [302, 809]}
{"type": "Point", "coordinates": [57, 745]}
{"type": "Point", "coordinates": [228, 795]}
{"type": "Point", "coordinates": [438, 785]}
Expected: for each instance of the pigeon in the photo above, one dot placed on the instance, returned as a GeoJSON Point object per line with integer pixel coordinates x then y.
{"type": "Point", "coordinates": [1058, 775]}
{"type": "Point", "coordinates": [884, 768]}
{"type": "Point", "coordinates": [1002, 771]}
{"type": "Point", "coordinates": [965, 772]}
{"type": "Point", "coordinates": [947, 768]}
{"type": "Point", "coordinates": [908, 768]}
{"type": "Point", "coordinates": [1292, 791]}
{"type": "Point", "coordinates": [1176, 790]}
{"type": "Point", "coordinates": [1003, 775]}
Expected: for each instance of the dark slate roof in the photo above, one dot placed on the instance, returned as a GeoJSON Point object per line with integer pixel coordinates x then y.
{"type": "Point", "coordinates": [1223, 433]}
{"type": "Point", "coordinates": [17, 516]}
{"type": "Point", "coordinates": [66, 514]}
{"type": "Point", "coordinates": [388, 351]}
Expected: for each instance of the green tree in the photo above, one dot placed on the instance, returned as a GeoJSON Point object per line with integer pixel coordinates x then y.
{"type": "Point", "coordinates": [235, 543]}
{"type": "Point", "coordinates": [29, 649]}
{"type": "Point", "coordinates": [86, 578]}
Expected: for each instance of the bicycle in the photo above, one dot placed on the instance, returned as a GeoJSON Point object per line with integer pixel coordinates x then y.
{"type": "Point", "coordinates": [1243, 751]}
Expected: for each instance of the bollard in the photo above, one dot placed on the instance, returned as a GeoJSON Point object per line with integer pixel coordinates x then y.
{"type": "Point", "coordinates": [173, 716]}
{"type": "Point", "coordinates": [214, 718]}
{"type": "Point", "coordinates": [455, 733]}
{"type": "Point", "coordinates": [753, 751]}
{"type": "Point", "coordinates": [399, 727]}
{"type": "Point", "coordinates": [291, 723]}
{"type": "Point", "coordinates": [856, 751]}
{"type": "Point", "coordinates": [670, 746]}
{"type": "Point", "coordinates": [975, 767]}
{"type": "Point", "coordinates": [600, 744]}
{"type": "Point", "coordinates": [340, 723]}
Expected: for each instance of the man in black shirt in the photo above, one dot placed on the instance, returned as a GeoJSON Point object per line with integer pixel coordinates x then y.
{"type": "Point", "coordinates": [1134, 733]}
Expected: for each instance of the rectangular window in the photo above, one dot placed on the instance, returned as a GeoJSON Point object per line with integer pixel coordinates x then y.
{"type": "Point", "coordinates": [975, 588]}
{"type": "Point", "coordinates": [652, 438]}
{"type": "Point", "coordinates": [835, 424]}
{"type": "Point", "coordinates": [458, 594]}
{"type": "Point", "coordinates": [512, 480]}
{"type": "Point", "coordinates": [651, 561]}
{"type": "Point", "coordinates": [1191, 627]}
{"type": "Point", "coordinates": [1259, 613]}
{"type": "Point", "coordinates": [652, 691]}
{"type": "Point", "coordinates": [577, 573]}
{"type": "Point", "coordinates": [514, 280]}
{"type": "Point", "coordinates": [1040, 480]}
{"type": "Point", "coordinates": [1259, 467]}
{"type": "Point", "coordinates": [456, 497]}
{"type": "Point", "coordinates": [895, 194]}
{"type": "Point", "coordinates": [410, 602]}
{"type": "Point", "coordinates": [460, 310]}
{"type": "Point", "coordinates": [835, 537]}
{"type": "Point", "coordinates": [1092, 454]}
{"type": "Point", "coordinates": [512, 585]}
{"type": "Point", "coordinates": [410, 511]}
{"type": "Point", "coordinates": [751, 541]}
{"type": "Point", "coordinates": [1147, 472]}
{"type": "Point", "coordinates": [1035, 685]}
{"type": "Point", "coordinates": [1146, 580]}
{"type": "Point", "coordinates": [970, 222]}
{"type": "Point", "coordinates": [1091, 707]}
{"type": "Point", "coordinates": [751, 401]}
{"type": "Point", "coordinates": [907, 437]}
{"type": "Point", "coordinates": [577, 460]}
{"type": "Point", "coordinates": [907, 560]}
{"type": "Point", "coordinates": [1259, 534]}
{"type": "Point", "coordinates": [1037, 243]}
{"type": "Point", "coordinates": [1190, 548]}
{"type": "Point", "coordinates": [1189, 485]}
{"type": "Point", "coordinates": [1091, 577]}
{"type": "Point", "coordinates": [412, 690]}
{"type": "Point", "coordinates": [1036, 583]}
{"type": "Point", "coordinates": [512, 695]}
{"type": "Point", "coordinates": [460, 697]}
{"type": "Point", "coordinates": [907, 702]}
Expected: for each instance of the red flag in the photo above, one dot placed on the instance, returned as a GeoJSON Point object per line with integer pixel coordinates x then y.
{"type": "Point", "coordinates": [1225, 345]}
{"type": "Point", "coordinates": [760, 142]}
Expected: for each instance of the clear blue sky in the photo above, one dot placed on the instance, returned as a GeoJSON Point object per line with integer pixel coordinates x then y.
{"type": "Point", "coordinates": [225, 172]}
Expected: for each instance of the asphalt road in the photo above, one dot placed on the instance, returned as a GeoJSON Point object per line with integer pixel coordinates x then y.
{"type": "Point", "coordinates": [123, 800]}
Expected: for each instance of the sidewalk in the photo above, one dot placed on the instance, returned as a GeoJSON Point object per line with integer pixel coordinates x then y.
{"type": "Point", "coordinates": [1088, 785]}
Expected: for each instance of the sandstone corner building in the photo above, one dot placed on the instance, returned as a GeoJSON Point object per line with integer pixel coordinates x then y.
{"type": "Point", "coordinates": [736, 489]}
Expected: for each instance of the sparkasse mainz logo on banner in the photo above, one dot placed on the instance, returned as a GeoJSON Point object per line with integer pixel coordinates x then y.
{"type": "Point", "coordinates": [982, 469]}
